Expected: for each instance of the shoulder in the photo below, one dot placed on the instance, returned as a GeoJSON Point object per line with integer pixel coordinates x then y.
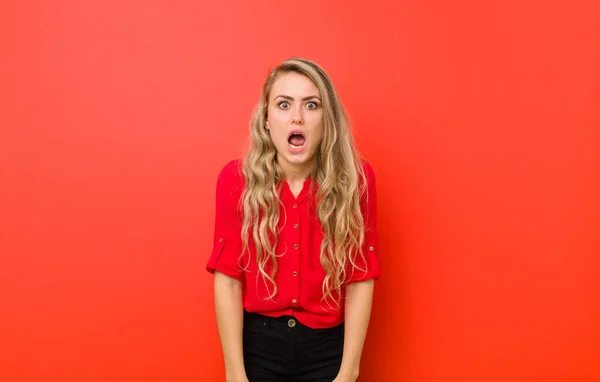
{"type": "Point", "coordinates": [231, 178]}
{"type": "Point", "coordinates": [368, 170]}
{"type": "Point", "coordinates": [231, 172]}
{"type": "Point", "coordinates": [368, 190]}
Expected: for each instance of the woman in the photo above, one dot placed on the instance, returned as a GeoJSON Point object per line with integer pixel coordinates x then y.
{"type": "Point", "coordinates": [295, 241]}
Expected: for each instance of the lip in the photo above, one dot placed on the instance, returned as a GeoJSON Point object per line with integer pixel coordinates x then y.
{"type": "Point", "coordinates": [296, 131]}
{"type": "Point", "coordinates": [296, 149]}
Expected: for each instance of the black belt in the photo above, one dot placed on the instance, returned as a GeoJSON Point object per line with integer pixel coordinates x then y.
{"type": "Point", "coordinates": [289, 322]}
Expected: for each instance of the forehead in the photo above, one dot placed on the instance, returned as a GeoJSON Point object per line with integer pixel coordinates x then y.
{"type": "Point", "coordinates": [294, 85]}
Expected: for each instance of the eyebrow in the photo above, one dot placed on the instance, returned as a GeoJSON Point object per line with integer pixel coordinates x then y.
{"type": "Point", "coordinates": [292, 98]}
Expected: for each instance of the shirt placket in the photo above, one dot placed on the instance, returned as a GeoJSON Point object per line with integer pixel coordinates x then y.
{"type": "Point", "coordinates": [295, 235]}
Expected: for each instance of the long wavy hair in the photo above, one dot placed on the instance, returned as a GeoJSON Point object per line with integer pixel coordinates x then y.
{"type": "Point", "coordinates": [340, 183]}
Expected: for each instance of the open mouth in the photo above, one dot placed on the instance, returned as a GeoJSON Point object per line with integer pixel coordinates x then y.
{"type": "Point", "coordinates": [296, 140]}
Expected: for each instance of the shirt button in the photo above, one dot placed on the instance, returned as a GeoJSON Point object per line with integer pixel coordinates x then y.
{"type": "Point", "coordinates": [294, 301]}
{"type": "Point", "coordinates": [295, 273]}
{"type": "Point", "coordinates": [220, 240]}
{"type": "Point", "coordinates": [295, 206]}
{"type": "Point", "coordinates": [371, 248]}
{"type": "Point", "coordinates": [295, 246]}
{"type": "Point", "coordinates": [296, 225]}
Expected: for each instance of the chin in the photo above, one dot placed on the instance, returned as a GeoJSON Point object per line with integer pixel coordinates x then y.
{"type": "Point", "coordinates": [298, 160]}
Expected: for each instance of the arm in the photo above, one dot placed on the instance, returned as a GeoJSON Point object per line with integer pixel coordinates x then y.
{"type": "Point", "coordinates": [230, 322]}
{"type": "Point", "coordinates": [229, 277]}
{"type": "Point", "coordinates": [359, 290]}
{"type": "Point", "coordinates": [359, 298]}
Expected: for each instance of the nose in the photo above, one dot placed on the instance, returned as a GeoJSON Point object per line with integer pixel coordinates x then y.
{"type": "Point", "coordinates": [297, 117]}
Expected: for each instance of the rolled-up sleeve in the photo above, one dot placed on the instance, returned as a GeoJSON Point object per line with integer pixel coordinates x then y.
{"type": "Point", "coordinates": [227, 243]}
{"type": "Point", "coordinates": [368, 264]}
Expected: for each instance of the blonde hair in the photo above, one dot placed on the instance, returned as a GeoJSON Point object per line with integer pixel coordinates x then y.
{"type": "Point", "coordinates": [341, 184]}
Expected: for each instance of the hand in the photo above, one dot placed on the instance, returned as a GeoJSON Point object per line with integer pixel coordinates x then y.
{"type": "Point", "coordinates": [344, 377]}
{"type": "Point", "coordinates": [241, 378]}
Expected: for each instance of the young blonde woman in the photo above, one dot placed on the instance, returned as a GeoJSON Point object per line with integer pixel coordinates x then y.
{"type": "Point", "coordinates": [295, 239]}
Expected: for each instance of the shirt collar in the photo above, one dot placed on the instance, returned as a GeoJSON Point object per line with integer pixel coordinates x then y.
{"type": "Point", "coordinates": [286, 192]}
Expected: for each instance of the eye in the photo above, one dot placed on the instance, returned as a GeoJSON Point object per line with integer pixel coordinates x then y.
{"type": "Point", "coordinates": [312, 105]}
{"type": "Point", "coordinates": [283, 105]}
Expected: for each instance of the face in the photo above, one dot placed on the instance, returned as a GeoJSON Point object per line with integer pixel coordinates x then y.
{"type": "Point", "coordinates": [295, 121]}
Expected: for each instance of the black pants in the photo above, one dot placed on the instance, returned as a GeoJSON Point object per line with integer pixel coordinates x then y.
{"type": "Point", "coordinates": [283, 350]}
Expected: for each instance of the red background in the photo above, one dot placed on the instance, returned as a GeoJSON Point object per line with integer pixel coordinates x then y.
{"type": "Point", "coordinates": [481, 119]}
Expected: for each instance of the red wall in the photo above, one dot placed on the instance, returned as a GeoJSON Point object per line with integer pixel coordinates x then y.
{"type": "Point", "coordinates": [481, 119]}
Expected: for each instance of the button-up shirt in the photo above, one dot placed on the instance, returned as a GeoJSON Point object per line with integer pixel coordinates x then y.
{"type": "Point", "coordinates": [299, 274]}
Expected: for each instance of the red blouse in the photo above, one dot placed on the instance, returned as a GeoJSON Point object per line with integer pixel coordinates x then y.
{"type": "Point", "coordinates": [300, 274]}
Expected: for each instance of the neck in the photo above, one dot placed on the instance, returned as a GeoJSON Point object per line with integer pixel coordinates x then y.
{"type": "Point", "coordinates": [297, 173]}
